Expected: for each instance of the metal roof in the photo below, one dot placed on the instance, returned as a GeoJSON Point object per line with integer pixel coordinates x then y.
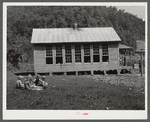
{"type": "Point", "coordinates": [122, 46]}
{"type": "Point", "coordinates": [65, 35]}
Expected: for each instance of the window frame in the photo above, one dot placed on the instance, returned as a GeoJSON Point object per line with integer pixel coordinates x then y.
{"type": "Point", "coordinates": [87, 54]}
{"type": "Point", "coordinates": [107, 53]}
{"type": "Point", "coordinates": [77, 53]}
{"type": "Point", "coordinates": [70, 54]}
{"type": "Point", "coordinates": [49, 56]}
{"type": "Point", "coordinates": [96, 54]}
{"type": "Point", "coordinates": [58, 56]}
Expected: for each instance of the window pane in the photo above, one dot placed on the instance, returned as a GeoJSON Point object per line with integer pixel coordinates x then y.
{"type": "Point", "coordinates": [105, 59]}
{"type": "Point", "coordinates": [95, 49]}
{"type": "Point", "coordinates": [68, 59]}
{"type": "Point", "coordinates": [49, 51]}
{"type": "Point", "coordinates": [49, 60]}
{"type": "Point", "coordinates": [87, 59]}
{"type": "Point", "coordinates": [77, 58]}
{"type": "Point", "coordinates": [59, 60]}
{"type": "Point", "coordinates": [96, 58]}
{"type": "Point", "coordinates": [105, 52]}
{"type": "Point", "coordinates": [86, 50]}
{"type": "Point", "coordinates": [58, 51]}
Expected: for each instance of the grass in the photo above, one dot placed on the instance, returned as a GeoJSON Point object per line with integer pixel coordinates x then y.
{"type": "Point", "coordinates": [79, 93]}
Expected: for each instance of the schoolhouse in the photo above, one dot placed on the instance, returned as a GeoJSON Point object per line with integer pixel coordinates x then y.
{"type": "Point", "coordinates": [75, 50]}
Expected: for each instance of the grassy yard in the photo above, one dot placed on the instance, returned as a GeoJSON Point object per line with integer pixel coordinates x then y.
{"type": "Point", "coordinates": [80, 93]}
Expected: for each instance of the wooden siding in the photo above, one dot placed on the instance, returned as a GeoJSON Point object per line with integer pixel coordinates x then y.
{"type": "Point", "coordinates": [39, 57]}
{"type": "Point", "coordinates": [114, 53]}
{"type": "Point", "coordinates": [41, 66]}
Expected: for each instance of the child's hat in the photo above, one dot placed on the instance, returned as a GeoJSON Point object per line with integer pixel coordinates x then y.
{"type": "Point", "coordinates": [29, 75]}
{"type": "Point", "coordinates": [20, 76]}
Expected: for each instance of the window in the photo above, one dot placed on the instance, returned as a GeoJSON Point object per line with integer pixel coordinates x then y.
{"type": "Point", "coordinates": [87, 58]}
{"type": "Point", "coordinates": [96, 57]}
{"type": "Point", "coordinates": [59, 59]}
{"type": "Point", "coordinates": [77, 53]}
{"type": "Point", "coordinates": [49, 55]}
{"type": "Point", "coordinates": [68, 54]}
{"type": "Point", "coordinates": [105, 56]}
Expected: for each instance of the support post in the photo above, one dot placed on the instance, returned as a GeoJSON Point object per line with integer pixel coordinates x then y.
{"type": "Point", "coordinates": [63, 54]}
{"type": "Point", "coordinates": [50, 73]}
{"type": "Point", "coordinates": [92, 72]}
{"type": "Point", "coordinates": [131, 62]}
{"type": "Point", "coordinates": [73, 53]}
{"type": "Point", "coordinates": [141, 64]}
{"type": "Point", "coordinates": [125, 57]}
{"type": "Point", "coordinates": [118, 71]}
{"type": "Point", "coordinates": [82, 54]}
{"type": "Point", "coordinates": [100, 52]}
{"type": "Point", "coordinates": [91, 53]}
{"type": "Point", "coordinates": [104, 72]}
{"type": "Point", "coordinates": [54, 54]}
{"type": "Point", "coordinates": [76, 73]}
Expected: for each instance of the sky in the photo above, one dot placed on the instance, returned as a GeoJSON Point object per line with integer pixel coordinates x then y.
{"type": "Point", "coordinates": [135, 10]}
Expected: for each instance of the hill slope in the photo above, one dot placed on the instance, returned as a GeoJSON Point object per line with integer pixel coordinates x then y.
{"type": "Point", "coordinates": [22, 19]}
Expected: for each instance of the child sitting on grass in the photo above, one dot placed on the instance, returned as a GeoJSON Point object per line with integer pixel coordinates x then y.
{"type": "Point", "coordinates": [40, 82]}
{"type": "Point", "coordinates": [19, 83]}
{"type": "Point", "coordinates": [28, 82]}
{"type": "Point", "coordinates": [44, 83]}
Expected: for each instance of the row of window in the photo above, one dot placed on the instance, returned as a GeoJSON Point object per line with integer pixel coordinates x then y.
{"type": "Point", "coordinates": [68, 54]}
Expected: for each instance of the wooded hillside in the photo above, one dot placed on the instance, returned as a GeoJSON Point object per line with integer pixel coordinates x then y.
{"type": "Point", "coordinates": [22, 19]}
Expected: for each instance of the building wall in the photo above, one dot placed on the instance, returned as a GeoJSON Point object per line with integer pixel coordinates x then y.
{"type": "Point", "coordinates": [41, 66]}
{"type": "Point", "coordinates": [114, 53]}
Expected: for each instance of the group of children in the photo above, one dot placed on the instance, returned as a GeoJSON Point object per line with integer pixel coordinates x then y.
{"type": "Point", "coordinates": [28, 83]}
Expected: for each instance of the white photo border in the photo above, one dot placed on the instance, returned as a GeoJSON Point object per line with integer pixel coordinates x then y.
{"type": "Point", "coordinates": [70, 114]}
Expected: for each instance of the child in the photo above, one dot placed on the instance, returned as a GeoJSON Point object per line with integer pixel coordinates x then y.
{"type": "Point", "coordinates": [28, 82]}
{"type": "Point", "coordinates": [37, 80]}
{"type": "Point", "coordinates": [40, 82]}
{"type": "Point", "coordinates": [44, 83]}
{"type": "Point", "coordinates": [19, 83]}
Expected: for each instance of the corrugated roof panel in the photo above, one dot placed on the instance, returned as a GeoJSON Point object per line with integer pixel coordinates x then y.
{"type": "Point", "coordinates": [85, 36]}
{"type": "Point", "coordinates": [109, 35]}
{"type": "Point", "coordinates": [60, 35]}
{"type": "Point", "coordinates": [95, 37]}
{"type": "Point", "coordinates": [115, 35]}
{"type": "Point", "coordinates": [103, 34]}
{"type": "Point", "coordinates": [77, 37]}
